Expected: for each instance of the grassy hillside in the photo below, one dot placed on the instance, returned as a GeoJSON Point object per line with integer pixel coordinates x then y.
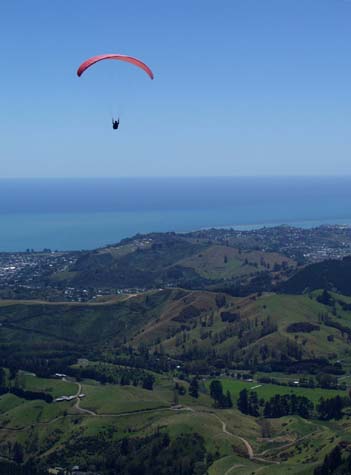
{"type": "Point", "coordinates": [202, 331]}
{"type": "Point", "coordinates": [206, 330]}
{"type": "Point", "coordinates": [65, 434]}
{"type": "Point", "coordinates": [246, 332]}
{"type": "Point", "coordinates": [173, 260]}
{"type": "Point", "coordinates": [224, 262]}
{"type": "Point", "coordinates": [74, 325]}
{"type": "Point", "coordinates": [44, 337]}
{"type": "Point", "coordinates": [134, 356]}
{"type": "Point", "coordinates": [266, 391]}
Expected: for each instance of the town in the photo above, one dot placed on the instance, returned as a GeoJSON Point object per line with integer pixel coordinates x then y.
{"type": "Point", "coordinates": [33, 274]}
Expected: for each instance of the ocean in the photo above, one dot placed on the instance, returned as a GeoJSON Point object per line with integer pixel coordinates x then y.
{"type": "Point", "coordinates": [74, 214]}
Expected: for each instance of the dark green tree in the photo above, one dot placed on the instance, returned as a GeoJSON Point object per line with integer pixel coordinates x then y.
{"type": "Point", "coordinates": [216, 390]}
{"type": "Point", "coordinates": [243, 402]}
{"type": "Point", "coordinates": [330, 408]}
{"type": "Point", "coordinates": [253, 406]}
{"type": "Point", "coordinates": [325, 298]}
{"type": "Point", "coordinates": [228, 400]}
{"type": "Point", "coordinates": [331, 462]}
{"type": "Point", "coordinates": [148, 382]}
{"type": "Point", "coordinates": [194, 388]}
{"type": "Point", "coordinates": [18, 453]}
{"type": "Point", "coordinates": [3, 378]}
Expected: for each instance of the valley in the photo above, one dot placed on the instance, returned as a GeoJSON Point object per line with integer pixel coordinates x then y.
{"type": "Point", "coordinates": [244, 368]}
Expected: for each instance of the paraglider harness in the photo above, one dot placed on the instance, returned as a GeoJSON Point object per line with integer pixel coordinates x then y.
{"type": "Point", "coordinates": [115, 124]}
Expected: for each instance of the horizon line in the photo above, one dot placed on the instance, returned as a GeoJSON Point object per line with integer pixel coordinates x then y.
{"type": "Point", "coordinates": [161, 177]}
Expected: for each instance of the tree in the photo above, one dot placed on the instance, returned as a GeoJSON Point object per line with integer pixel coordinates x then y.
{"type": "Point", "coordinates": [331, 463]}
{"type": "Point", "coordinates": [327, 381]}
{"type": "Point", "coordinates": [3, 382]}
{"type": "Point", "coordinates": [148, 382]}
{"type": "Point", "coordinates": [18, 452]}
{"type": "Point", "coordinates": [228, 402]}
{"type": "Point", "coordinates": [194, 388]}
{"type": "Point", "coordinates": [288, 404]}
{"type": "Point", "coordinates": [125, 381]}
{"type": "Point", "coordinates": [19, 380]}
{"type": "Point", "coordinates": [180, 388]}
{"type": "Point", "coordinates": [243, 402]}
{"type": "Point", "coordinates": [13, 372]}
{"type": "Point", "coordinates": [253, 404]}
{"type": "Point", "coordinates": [325, 298]}
{"type": "Point", "coordinates": [330, 408]}
{"type": "Point", "coordinates": [175, 397]}
{"type": "Point", "coordinates": [248, 403]}
{"type": "Point", "coordinates": [335, 458]}
{"type": "Point", "coordinates": [216, 390]}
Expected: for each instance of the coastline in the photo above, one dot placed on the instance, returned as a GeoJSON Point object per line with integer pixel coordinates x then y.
{"type": "Point", "coordinates": [86, 214]}
{"type": "Point", "coordinates": [87, 231]}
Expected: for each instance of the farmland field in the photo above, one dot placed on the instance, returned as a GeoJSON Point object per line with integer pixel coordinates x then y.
{"type": "Point", "coordinates": [266, 391]}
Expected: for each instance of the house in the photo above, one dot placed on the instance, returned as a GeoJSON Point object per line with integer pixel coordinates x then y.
{"type": "Point", "coordinates": [56, 471]}
{"type": "Point", "coordinates": [64, 398]}
{"type": "Point", "coordinates": [59, 375]}
{"type": "Point", "coordinates": [59, 399]}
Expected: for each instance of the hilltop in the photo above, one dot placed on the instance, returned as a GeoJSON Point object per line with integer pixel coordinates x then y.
{"type": "Point", "coordinates": [173, 260]}
{"type": "Point", "coordinates": [228, 260]}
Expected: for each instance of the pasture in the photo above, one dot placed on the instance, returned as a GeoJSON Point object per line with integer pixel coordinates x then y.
{"type": "Point", "coordinates": [266, 391]}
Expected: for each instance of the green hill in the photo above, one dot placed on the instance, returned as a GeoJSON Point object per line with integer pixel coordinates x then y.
{"type": "Point", "coordinates": [159, 260]}
{"type": "Point", "coordinates": [329, 274]}
{"type": "Point", "coordinates": [272, 331]}
{"type": "Point", "coordinates": [118, 427]}
{"type": "Point", "coordinates": [135, 356]}
{"type": "Point", "coordinates": [205, 330]}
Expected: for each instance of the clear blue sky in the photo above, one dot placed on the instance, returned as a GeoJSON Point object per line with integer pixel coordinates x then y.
{"type": "Point", "coordinates": [242, 87]}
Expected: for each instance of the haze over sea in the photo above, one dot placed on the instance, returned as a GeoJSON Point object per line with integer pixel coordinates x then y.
{"type": "Point", "coordinates": [85, 213]}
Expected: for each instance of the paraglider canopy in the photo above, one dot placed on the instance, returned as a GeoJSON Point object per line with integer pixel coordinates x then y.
{"type": "Point", "coordinates": [119, 57]}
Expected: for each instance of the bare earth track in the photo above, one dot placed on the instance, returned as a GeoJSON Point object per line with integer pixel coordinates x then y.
{"type": "Point", "coordinates": [89, 413]}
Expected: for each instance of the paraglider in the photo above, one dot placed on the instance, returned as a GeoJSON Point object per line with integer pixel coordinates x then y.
{"type": "Point", "coordinates": [115, 123]}
{"type": "Point", "coordinates": [119, 57]}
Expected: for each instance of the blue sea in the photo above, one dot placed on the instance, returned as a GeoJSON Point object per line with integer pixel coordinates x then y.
{"type": "Point", "coordinates": [71, 214]}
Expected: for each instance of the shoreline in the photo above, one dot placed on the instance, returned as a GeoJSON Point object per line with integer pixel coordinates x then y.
{"type": "Point", "coordinates": [107, 242]}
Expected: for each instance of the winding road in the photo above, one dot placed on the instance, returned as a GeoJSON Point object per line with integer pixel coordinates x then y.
{"type": "Point", "coordinates": [77, 404]}
{"type": "Point", "coordinates": [248, 447]}
{"type": "Point", "coordinates": [250, 453]}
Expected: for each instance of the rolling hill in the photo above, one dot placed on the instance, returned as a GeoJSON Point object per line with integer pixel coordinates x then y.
{"type": "Point", "coordinates": [329, 274]}
{"type": "Point", "coordinates": [174, 260]}
{"type": "Point", "coordinates": [134, 357]}
{"type": "Point", "coordinates": [207, 331]}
